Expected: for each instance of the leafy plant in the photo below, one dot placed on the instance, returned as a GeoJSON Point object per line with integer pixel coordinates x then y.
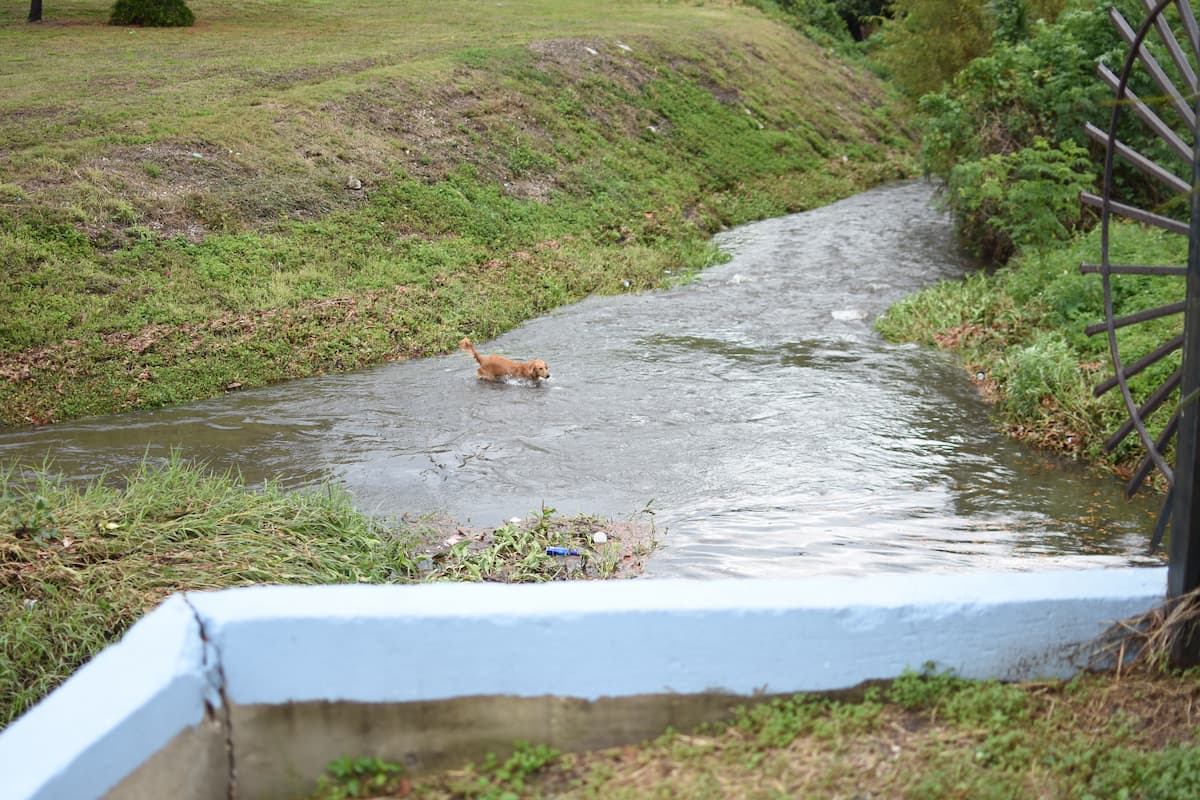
{"type": "Point", "coordinates": [1022, 327]}
{"type": "Point", "coordinates": [1031, 196]}
{"type": "Point", "coordinates": [33, 519]}
{"type": "Point", "coordinates": [1036, 374]}
{"type": "Point", "coordinates": [824, 21]}
{"type": "Point", "coordinates": [496, 779]}
{"type": "Point", "coordinates": [347, 778]}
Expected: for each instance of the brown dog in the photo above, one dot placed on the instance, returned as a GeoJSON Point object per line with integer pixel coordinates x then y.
{"type": "Point", "coordinates": [494, 368]}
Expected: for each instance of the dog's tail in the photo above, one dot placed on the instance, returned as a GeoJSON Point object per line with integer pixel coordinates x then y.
{"type": "Point", "coordinates": [465, 344]}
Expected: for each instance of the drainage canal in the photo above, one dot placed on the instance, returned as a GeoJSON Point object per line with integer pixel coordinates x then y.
{"type": "Point", "coordinates": [755, 409]}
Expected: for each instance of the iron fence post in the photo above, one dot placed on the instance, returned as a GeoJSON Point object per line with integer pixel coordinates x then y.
{"type": "Point", "coordinates": [1183, 574]}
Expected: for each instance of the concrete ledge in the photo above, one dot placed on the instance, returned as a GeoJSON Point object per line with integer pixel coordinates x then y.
{"type": "Point", "coordinates": [423, 674]}
{"type": "Point", "coordinates": [114, 714]}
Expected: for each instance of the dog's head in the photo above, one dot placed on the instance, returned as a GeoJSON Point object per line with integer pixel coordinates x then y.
{"type": "Point", "coordinates": [538, 369]}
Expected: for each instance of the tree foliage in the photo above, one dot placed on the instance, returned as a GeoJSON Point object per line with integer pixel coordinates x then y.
{"type": "Point", "coordinates": [928, 41]}
{"type": "Point", "coordinates": [821, 20]}
{"type": "Point", "coordinates": [1041, 87]}
{"type": "Point", "coordinates": [1006, 128]}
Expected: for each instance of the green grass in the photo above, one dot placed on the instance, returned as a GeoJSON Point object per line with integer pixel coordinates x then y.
{"type": "Point", "coordinates": [289, 189]}
{"type": "Point", "coordinates": [1022, 327]}
{"type": "Point", "coordinates": [924, 735]}
{"type": "Point", "coordinates": [80, 564]}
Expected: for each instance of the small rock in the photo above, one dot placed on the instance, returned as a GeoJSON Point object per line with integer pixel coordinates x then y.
{"type": "Point", "coordinates": [599, 537]}
{"type": "Point", "coordinates": [353, 183]}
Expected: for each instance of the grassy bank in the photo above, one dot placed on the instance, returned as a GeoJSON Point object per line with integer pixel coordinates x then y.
{"type": "Point", "coordinates": [922, 736]}
{"type": "Point", "coordinates": [1020, 332]}
{"type": "Point", "coordinates": [290, 189]}
{"type": "Point", "coordinates": [79, 565]}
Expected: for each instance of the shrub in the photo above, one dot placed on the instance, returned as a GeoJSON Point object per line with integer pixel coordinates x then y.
{"type": "Point", "coordinates": [819, 19]}
{"type": "Point", "coordinates": [152, 13]}
{"type": "Point", "coordinates": [1031, 196]}
{"type": "Point", "coordinates": [1041, 87]}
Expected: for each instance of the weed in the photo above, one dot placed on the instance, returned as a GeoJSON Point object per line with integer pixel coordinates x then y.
{"type": "Point", "coordinates": [33, 519]}
{"type": "Point", "coordinates": [927, 689]}
{"type": "Point", "coordinates": [495, 779]}
{"type": "Point", "coordinates": [541, 547]}
{"type": "Point", "coordinates": [779, 722]}
{"type": "Point", "coordinates": [347, 778]}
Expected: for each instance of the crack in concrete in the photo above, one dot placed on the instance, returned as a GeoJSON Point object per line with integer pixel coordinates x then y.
{"type": "Point", "coordinates": [214, 668]}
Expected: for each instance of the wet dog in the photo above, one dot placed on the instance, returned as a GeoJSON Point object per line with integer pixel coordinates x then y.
{"type": "Point", "coordinates": [495, 368]}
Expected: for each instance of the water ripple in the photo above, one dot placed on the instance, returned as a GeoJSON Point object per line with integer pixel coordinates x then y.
{"type": "Point", "coordinates": [774, 431]}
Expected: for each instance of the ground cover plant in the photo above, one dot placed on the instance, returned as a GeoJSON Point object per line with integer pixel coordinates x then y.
{"type": "Point", "coordinates": [79, 564]}
{"type": "Point", "coordinates": [924, 735]}
{"type": "Point", "coordinates": [281, 191]}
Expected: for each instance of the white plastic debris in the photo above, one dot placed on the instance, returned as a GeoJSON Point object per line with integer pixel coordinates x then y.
{"type": "Point", "coordinates": [599, 537]}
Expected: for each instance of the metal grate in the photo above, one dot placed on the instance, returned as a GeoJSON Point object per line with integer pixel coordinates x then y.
{"type": "Point", "coordinates": [1163, 54]}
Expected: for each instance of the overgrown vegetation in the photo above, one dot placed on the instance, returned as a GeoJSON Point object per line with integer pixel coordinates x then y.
{"type": "Point", "coordinates": [221, 209]}
{"type": "Point", "coordinates": [1004, 130]}
{"type": "Point", "coordinates": [1020, 331]}
{"type": "Point", "coordinates": [80, 564]}
{"type": "Point", "coordinates": [924, 735]}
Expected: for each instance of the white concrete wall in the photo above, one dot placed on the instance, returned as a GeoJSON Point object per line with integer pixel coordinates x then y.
{"type": "Point", "coordinates": [113, 714]}
{"type": "Point", "coordinates": [590, 640]}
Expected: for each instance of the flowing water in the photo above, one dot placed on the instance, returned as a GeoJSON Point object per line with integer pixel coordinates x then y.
{"type": "Point", "coordinates": [768, 426]}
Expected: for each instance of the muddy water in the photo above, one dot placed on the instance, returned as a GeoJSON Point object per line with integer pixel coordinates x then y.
{"type": "Point", "coordinates": [755, 410]}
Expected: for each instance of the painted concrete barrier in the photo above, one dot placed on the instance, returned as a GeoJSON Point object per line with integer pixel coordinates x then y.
{"type": "Point", "coordinates": [251, 692]}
